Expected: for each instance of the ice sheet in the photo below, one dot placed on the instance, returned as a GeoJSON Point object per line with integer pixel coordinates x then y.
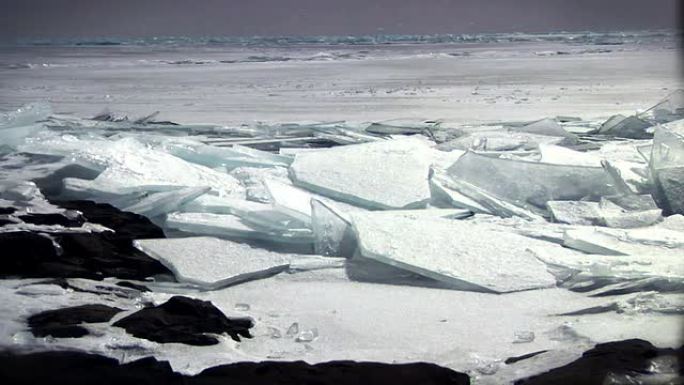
{"type": "Point", "coordinates": [464, 255]}
{"type": "Point", "coordinates": [382, 175]}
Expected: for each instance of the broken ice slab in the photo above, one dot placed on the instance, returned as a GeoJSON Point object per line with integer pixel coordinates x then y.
{"type": "Point", "coordinates": [604, 213]}
{"type": "Point", "coordinates": [626, 127]}
{"type": "Point", "coordinates": [529, 184]}
{"type": "Point", "coordinates": [446, 197]}
{"type": "Point", "coordinates": [499, 141]}
{"type": "Point", "coordinates": [667, 167]}
{"type": "Point", "coordinates": [223, 225]}
{"type": "Point", "coordinates": [547, 127]}
{"type": "Point", "coordinates": [333, 235]}
{"type": "Point", "coordinates": [667, 110]}
{"type": "Point", "coordinates": [642, 241]}
{"type": "Point", "coordinates": [213, 263]}
{"type": "Point", "coordinates": [25, 115]}
{"type": "Point", "coordinates": [465, 255]}
{"type": "Point", "coordinates": [380, 175]}
{"type": "Point", "coordinates": [615, 266]}
{"type": "Point", "coordinates": [253, 179]}
{"type": "Point", "coordinates": [165, 202]}
{"type": "Point", "coordinates": [632, 173]}
{"type": "Point", "coordinates": [290, 200]}
{"type": "Point", "coordinates": [457, 189]}
{"type": "Point", "coordinates": [128, 164]}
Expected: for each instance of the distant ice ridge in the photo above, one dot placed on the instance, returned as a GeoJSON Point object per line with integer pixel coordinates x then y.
{"type": "Point", "coordinates": [476, 208]}
{"type": "Point", "coordinates": [584, 37]}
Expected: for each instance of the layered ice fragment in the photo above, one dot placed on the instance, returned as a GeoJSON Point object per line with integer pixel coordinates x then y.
{"type": "Point", "coordinates": [530, 184]}
{"type": "Point", "coordinates": [16, 126]}
{"type": "Point", "coordinates": [380, 175]}
{"type": "Point", "coordinates": [667, 167]}
{"type": "Point", "coordinates": [464, 255]}
{"type": "Point", "coordinates": [604, 213]}
{"type": "Point", "coordinates": [226, 225]}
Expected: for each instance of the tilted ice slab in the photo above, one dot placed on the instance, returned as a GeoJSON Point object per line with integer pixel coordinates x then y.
{"type": "Point", "coordinates": [459, 253]}
{"type": "Point", "coordinates": [667, 166]}
{"type": "Point", "coordinates": [529, 184]}
{"type": "Point", "coordinates": [165, 202]}
{"type": "Point", "coordinates": [213, 263]}
{"type": "Point", "coordinates": [381, 175]}
{"type": "Point", "coordinates": [225, 225]}
{"type": "Point", "coordinates": [17, 125]}
{"type": "Point", "coordinates": [127, 165]}
{"type": "Point", "coordinates": [615, 266]}
{"type": "Point", "coordinates": [653, 240]}
{"type": "Point", "coordinates": [633, 172]}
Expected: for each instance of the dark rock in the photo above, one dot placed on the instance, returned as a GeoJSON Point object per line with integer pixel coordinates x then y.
{"type": "Point", "coordinates": [184, 320]}
{"type": "Point", "coordinates": [63, 323]}
{"type": "Point", "coordinates": [131, 285]}
{"type": "Point", "coordinates": [329, 373]}
{"type": "Point", "coordinates": [125, 225]}
{"type": "Point", "coordinates": [7, 210]}
{"type": "Point", "coordinates": [513, 360]}
{"type": "Point", "coordinates": [84, 255]}
{"type": "Point", "coordinates": [68, 219]}
{"type": "Point", "coordinates": [621, 360]}
{"type": "Point", "coordinates": [76, 368]}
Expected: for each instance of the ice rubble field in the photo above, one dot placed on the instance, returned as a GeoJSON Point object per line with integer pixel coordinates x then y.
{"type": "Point", "coordinates": [387, 241]}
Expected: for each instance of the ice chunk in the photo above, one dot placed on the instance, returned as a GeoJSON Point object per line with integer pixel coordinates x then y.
{"type": "Point", "coordinates": [575, 213]}
{"type": "Point", "coordinates": [213, 263]}
{"type": "Point", "coordinates": [644, 241]}
{"type": "Point", "coordinates": [553, 154]}
{"type": "Point", "coordinates": [222, 225]}
{"type": "Point", "coordinates": [165, 202]}
{"type": "Point", "coordinates": [528, 184]}
{"type": "Point", "coordinates": [626, 127]}
{"type": "Point", "coordinates": [461, 254]}
{"type": "Point", "coordinates": [667, 167]}
{"type": "Point", "coordinates": [380, 175]}
{"type": "Point", "coordinates": [253, 179]}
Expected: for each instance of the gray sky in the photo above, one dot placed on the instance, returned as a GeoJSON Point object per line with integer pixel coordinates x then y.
{"type": "Point", "coordinates": [82, 18]}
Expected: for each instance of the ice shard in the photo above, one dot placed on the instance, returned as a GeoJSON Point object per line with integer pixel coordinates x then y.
{"type": "Point", "coordinates": [464, 255]}
{"type": "Point", "coordinates": [380, 175]}
{"type": "Point", "coordinates": [667, 167]}
{"type": "Point", "coordinates": [213, 263]}
{"type": "Point", "coordinates": [530, 184]}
